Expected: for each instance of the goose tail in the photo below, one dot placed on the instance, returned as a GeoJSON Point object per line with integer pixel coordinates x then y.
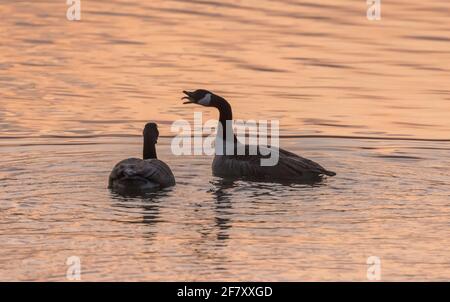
{"type": "Point", "coordinates": [329, 173]}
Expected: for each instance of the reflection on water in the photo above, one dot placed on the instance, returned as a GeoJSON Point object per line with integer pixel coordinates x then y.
{"type": "Point", "coordinates": [223, 207]}
{"type": "Point", "coordinates": [320, 67]}
{"type": "Point", "coordinates": [390, 199]}
{"type": "Point", "coordinates": [147, 204]}
{"type": "Point", "coordinates": [75, 95]}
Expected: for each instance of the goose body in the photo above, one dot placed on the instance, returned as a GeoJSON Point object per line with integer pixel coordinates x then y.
{"type": "Point", "coordinates": [290, 166]}
{"type": "Point", "coordinates": [139, 174]}
{"type": "Point", "coordinates": [147, 174]}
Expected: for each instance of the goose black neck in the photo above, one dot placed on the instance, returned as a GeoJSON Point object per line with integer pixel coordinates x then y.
{"type": "Point", "coordinates": [226, 116]}
{"type": "Point", "coordinates": [149, 148]}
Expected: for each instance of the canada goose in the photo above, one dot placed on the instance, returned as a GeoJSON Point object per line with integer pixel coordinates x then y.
{"type": "Point", "coordinates": [147, 174]}
{"type": "Point", "coordinates": [289, 167]}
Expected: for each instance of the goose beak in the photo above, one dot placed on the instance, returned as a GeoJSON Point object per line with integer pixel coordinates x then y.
{"type": "Point", "coordinates": [188, 97]}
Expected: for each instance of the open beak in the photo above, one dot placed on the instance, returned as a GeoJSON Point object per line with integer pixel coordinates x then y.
{"type": "Point", "coordinates": [188, 97]}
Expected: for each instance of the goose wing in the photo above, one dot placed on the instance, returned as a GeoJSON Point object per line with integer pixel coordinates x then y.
{"type": "Point", "coordinates": [289, 166]}
{"type": "Point", "coordinates": [302, 164]}
{"type": "Point", "coordinates": [158, 171]}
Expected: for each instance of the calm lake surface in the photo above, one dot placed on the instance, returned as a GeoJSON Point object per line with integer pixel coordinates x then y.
{"type": "Point", "coordinates": [369, 100]}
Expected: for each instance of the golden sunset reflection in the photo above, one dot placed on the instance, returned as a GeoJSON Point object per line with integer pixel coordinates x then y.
{"type": "Point", "coordinates": [348, 92]}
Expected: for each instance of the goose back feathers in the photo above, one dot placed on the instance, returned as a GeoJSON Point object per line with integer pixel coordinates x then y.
{"type": "Point", "coordinates": [139, 174]}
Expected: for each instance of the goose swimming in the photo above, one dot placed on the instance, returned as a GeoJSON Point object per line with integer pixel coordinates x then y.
{"type": "Point", "coordinates": [290, 167]}
{"type": "Point", "coordinates": [147, 174]}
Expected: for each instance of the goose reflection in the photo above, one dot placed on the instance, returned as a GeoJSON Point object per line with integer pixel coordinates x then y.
{"type": "Point", "coordinates": [222, 207]}
{"type": "Point", "coordinates": [227, 190]}
{"type": "Point", "coordinates": [148, 206]}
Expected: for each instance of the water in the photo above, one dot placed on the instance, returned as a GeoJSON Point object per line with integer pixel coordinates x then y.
{"type": "Point", "coordinates": [369, 100]}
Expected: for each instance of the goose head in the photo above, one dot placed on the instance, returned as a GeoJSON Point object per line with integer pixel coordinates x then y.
{"type": "Point", "coordinates": [151, 132]}
{"type": "Point", "coordinates": [201, 97]}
